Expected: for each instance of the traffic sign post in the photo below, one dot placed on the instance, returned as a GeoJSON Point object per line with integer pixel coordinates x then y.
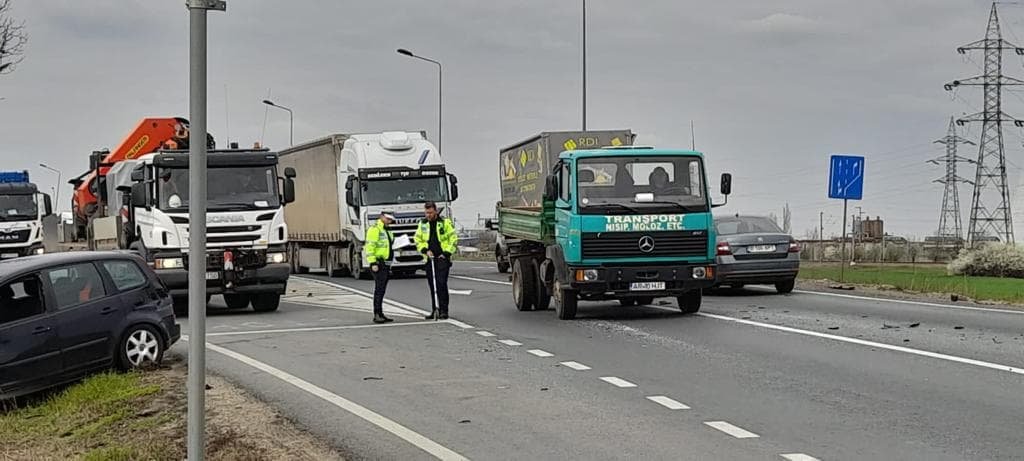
{"type": "Point", "coordinates": [846, 182]}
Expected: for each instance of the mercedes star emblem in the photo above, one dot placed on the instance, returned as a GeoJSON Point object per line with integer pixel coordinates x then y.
{"type": "Point", "coordinates": [646, 244]}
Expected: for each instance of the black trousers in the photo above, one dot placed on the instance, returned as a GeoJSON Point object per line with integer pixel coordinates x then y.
{"type": "Point", "coordinates": [439, 272]}
{"type": "Point", "coordinates": [380, 286]}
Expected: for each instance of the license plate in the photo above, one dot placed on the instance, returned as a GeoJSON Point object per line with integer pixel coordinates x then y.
{"type": "Point", "coordinates": [761, 249]}
{"type": "Point", "coordinates": [9, 255]}
{"type": "Point", "coordinates": [212, 275]}
{"type": "Point", "coordinates": [646, 286]}
{"type": "Point", "coordinates": [410, 253]}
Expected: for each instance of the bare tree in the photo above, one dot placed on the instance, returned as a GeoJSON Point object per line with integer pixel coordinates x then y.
{"type": "Point", "coordinates": [12, 39]}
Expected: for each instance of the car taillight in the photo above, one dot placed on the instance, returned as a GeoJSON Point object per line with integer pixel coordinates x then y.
{"type": "Point", "coordinates": [794, 247]}
{"type": "Point", "coordinates": [723, 249]}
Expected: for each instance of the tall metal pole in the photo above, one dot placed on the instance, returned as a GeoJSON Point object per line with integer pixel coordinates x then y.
{"type": "Point", "coordinates": [405, 52]}
{"type": "Point", "coordinates": [56, 200]}
{"type": "Point", "coordinates": [821, 235]}
{"type": "Point", "coordinates": [197, 226]}
{"type": "Point", "coordinates": [584, 65]}
{"type": "Point", "coordinates": [842, 258]}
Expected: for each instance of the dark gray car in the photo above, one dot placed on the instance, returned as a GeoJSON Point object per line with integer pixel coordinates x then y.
{"type": "Point", "coordinates": [753, 250]}
{"type": "Point", "coordinates": [65, 315]}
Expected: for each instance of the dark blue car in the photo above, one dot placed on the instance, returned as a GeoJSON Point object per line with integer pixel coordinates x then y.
{"type": "Point", "coordinates": [65, 315]}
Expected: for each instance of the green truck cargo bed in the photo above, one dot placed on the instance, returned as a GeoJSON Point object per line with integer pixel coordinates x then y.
{"type": "Point", "coordinates": [528, 223]}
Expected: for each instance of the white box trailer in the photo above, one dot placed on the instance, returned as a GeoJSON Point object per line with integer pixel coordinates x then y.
{"type": "Point", "coordinates": [348, 180]}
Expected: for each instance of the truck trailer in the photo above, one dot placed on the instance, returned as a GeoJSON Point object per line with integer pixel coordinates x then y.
{"type": "Point", "coordinates": [22, 209]}
{"type": "Point", "coordinates": [620, 222]}
{"type": "Point", "coordinates": [348, 180]}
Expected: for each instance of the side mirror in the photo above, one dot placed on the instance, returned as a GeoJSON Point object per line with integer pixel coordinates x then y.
{"type": "Point", "coordinates": [489, 224]}
{"type": "Point", "coordinates": [551, 188]}
{"type": "Point", "coordinates": [289, 172]}
{"type": "Point", "coordinates": [139, 174]}
{"type": "Point", "coordinates": [350, 199]}
{"type": "Point", "coordinates": [455, 192]}
{"type": "Point", "coordinates": [139, 196]}
{"type": "Point", "coordinates": [47, 206]}
{"type": "Point", "coordinates": [350, 182]}
{"type": "Point", "coordinates": [726, 187]}
{"type": "Point", "coordinates": [289, 187]}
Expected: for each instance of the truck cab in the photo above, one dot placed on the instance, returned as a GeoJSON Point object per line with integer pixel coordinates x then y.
{"type": "Point", "coordinates": [22, 209]}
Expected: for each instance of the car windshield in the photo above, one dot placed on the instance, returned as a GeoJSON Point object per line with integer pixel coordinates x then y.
{"type": "Point", "coordinates": [410, 190]}
{"type": "Point", "coordinates": [18, 207]}
{"type": "Point", "coordinates": [228, 188]}
{"type": "Point", "coordinates": [746, 225]}
{"type": "Point", "coordinates": [626, 185]}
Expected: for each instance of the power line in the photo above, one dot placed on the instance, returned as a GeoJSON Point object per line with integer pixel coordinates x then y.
{"type": "Point", "coordinates": [950, 226]}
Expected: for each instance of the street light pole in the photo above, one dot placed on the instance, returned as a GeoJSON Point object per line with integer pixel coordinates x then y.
{"type": "Point", "coordinates": [584, 65]}
{"type": "Point", "coordinates": [440, 86]}
{"type": "Point", "coordinates": [56, 200]}
{"type": "Point", "coordinates": [197, 226]}
{"type": "Point", "coordinates": [291, 120]}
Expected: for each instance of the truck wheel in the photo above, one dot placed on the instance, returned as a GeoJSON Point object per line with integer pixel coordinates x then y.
{"type": "Point", "coordinates": [524, 281]}
{"type": "Point", "coordinates": [565, 301]}
{"type": "Point", "coordinates": [236, 301]}
{"type": "Point", "coordinates": [785, 287]}
{"type": "Point", "coordinates": [355, 266]}
{"type": "Point", "coordinates": [689, 302]}
{"type": "Point", "coordinates": [543, 299]}
{"type": "Point", "coordinates": [503, 265]}
{"type": "Point", "coordinates": [333, 270]}
{"type": "Point", "coordinates": [266, 302]}
{"type": "Point", "coordinates": [645, 301]}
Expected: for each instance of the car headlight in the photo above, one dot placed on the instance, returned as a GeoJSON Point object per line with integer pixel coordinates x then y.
{"type": "Point", "coordinates": [703, 272]}
{"type": "Point", "coordinates": [277, 258]}
{"type": "Point", "coordinates": [39, 251]}
{"type": "Point", "coordinates": [169, 263]}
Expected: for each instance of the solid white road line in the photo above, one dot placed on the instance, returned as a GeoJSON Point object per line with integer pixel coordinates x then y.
{"type": "Point", "coordinates": [306, 329]}
{"type": "Point", "coordinates": [397, 304]}
{"type": "Point", "coordinates": [903, 301]}
{"type": "Point", "coordinates": [460, 292]}
{"type": "Point", "coordinates": [509, 342]}
{"type": "Point", "coordinates": [417, 440]}
{"type": "Point", "coordinates": [352, 309]}
{"type": "Point", "coordinates": [485, 334]}
{"type": "Point", "coordinates": [734, 431]}
{"type": "Point", "coordinates": [474, 279]}
{"type": "Point", "coordinates": [799, 457]}
{"type": "Point", "coordinates": [934, 355]}
{"type": "Point", "coordinates": [667, 402]}
{"type": "Point", "coordinates": [618, 382]}
{"type": "Point", "coordinates": [459, 324]}
{"type": "Point", "coordinates": [540, 353]}
{"type": "Point", "coordinates": [576, 366]}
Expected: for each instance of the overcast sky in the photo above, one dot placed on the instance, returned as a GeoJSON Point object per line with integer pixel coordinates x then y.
{"type": "Point", "coordinates": [773, 87]}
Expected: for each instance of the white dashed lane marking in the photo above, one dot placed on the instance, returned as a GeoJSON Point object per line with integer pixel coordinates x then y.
{"type": "Point", "coordinates": [734, 431]}
{"type": "Point", "coordinates": [618, 382]}
{"type": "Point", "coordinates": [576, 366]}
{"type": "Point", "coordinates": [485, 334]}
{"type": "Point", "coordinates": [509, 342]}
{"type": "Point", "coordinates": [667, 402]}
{"type": "Point", "coordinates": [799, 457]}
{"type": "Point", "coordinates": [540, 353]}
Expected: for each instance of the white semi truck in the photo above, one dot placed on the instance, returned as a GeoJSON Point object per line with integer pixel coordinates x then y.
{"type": "Point", "coordinates": [147, 210]}
{"type": "Point", "coordinates": [348, 179]}
{"type": "Point", "coordinates": [22, 209]}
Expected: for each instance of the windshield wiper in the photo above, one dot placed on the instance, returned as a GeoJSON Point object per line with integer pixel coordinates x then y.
{"type": "Point", "coordinates": [616, 205]}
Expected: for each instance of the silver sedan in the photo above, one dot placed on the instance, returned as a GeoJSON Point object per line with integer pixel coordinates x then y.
{"type": "Point", "coordinates": [754, 250]}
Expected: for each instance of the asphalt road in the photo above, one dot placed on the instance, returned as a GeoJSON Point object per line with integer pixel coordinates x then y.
{"type": "Point", "coordinates": [754, 376]}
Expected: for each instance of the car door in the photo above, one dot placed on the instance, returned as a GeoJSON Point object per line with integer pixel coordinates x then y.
{"type": "Point", "coordinates": [87, 316]}
{"type": "Point", "coordinates": [29, 344]}
{"type": "Point", "coordinates": [132, 286]}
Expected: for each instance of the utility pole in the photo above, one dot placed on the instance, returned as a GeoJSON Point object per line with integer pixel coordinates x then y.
{"type": "Point", "coordinates": [990, 205]}
{"type": "Point", "coordinates": [197, 226]}
{"type": "Point", "coordinates": [584, 50]}
{"type": "Point", "coordinates": [821, 236]}
{"type": "Point", "coordinates": [950, 227]}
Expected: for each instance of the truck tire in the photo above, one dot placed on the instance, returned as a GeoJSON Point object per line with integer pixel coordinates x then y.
{"type": "Point", "coordinates": [785, 287]}
{"type": "Point", "coordinates": [689, 302]}
{"type": "Point", "coordinates": [542, 301]}
{"type": "Point", "coordinates": [565, 301]}
{"type": "Point", "coordinates": [266, 302]}
{"type": "Point", "coordinates": [333, 270]}
{"type": "Point", "coordinates": [644, 301]}
{"type": "Point", "coordinates": [355, 266]}
{"type": "Point", "coordinates": [237, 301]}
{"type": "Point", "coordinates": [503, 265]}
{"type": "Point", "coordinates": [524, 281]}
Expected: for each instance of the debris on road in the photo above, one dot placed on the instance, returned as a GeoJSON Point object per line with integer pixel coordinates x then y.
{"type": "Point", "coordinates": [886, 326]}
{"type": "Point", "coordinates": [833, 328]}
{"type": "Point", "coordinates": [958, 327]}
{"type": "Point", "coordinates": [373, 378]}
{"type": "Point", "coordinates": [915, 325]}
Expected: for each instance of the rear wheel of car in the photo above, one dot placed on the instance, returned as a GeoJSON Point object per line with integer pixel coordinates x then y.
{"type": "Point", "coordinates": [785, 287]}
{"type": "Point", "coordinates": [524, 284]}
{"type": "Point", "coordinates": [140, 345]}
{"type": "Point", "coordinates": [236, 301]}
{"type": "Point", "coordinates": [689, 302]}
{"type": "Point", "coordinates": [266, 302]}
{"type": "Point", "coordinates": [566, 301]}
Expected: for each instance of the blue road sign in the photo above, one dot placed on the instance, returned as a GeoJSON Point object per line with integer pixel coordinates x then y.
{"type": "Point", "coordinates": [846, 177]}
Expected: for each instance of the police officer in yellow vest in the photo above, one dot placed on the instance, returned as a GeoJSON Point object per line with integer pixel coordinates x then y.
{"type": "Point", "coordinates": [379, 256]}
{"type": "Point", "coordinates": [436, 239]}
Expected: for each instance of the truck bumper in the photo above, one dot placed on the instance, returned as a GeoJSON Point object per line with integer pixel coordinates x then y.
{"type": "Point", "coordinates": [17, 251]}
{"type": "Point", "coordinates": [271, 278]}
{"type": "Point", "coordinates": [617, 282]}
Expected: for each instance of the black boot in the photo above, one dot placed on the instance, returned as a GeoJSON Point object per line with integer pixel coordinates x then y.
{"type": "Point", "coordinates": [443, 316]}
{"type": "Point", "coordinates": [431, 316]}
{"type": "Point", "coordinates": [380, 318]}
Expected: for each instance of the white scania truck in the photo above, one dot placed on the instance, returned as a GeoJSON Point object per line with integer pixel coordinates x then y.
{"type": "Point", "coordinates": [348, 179]}
{"type": "Point", "coordinates": [22, 209]}
{"type": "Point", "coordinates": [147, 210]}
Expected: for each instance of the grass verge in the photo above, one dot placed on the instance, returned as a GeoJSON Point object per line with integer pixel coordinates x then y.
{"type": "Point", "coordinates": [921, 279]}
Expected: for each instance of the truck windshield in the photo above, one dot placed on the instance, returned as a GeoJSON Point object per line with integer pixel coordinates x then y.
{"type": "Point", "coordinates": [228, 188]}
{"type": "Point", "coordinates": [18, 207]}
{"type": "Point", "coordinates": [409, 190]}
{"type": "Point", "coordinates": [627, 185]}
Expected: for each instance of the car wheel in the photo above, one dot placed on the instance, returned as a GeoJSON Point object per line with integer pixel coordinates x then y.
{"type": "Point", "coordinates": [524, 284]}
{"type": "Point", "coordinates": [141, 345]}
{"type": "Point", "coordinates": [566, 301]}
{"type": "Point", "coordinates": [785, 287]}
{"type": "Point", "coordinates": [266, 302]}
{"type": "Point", "coordinates": [236, 301]}
{"type": "Point", "coordinates": [689, 302]}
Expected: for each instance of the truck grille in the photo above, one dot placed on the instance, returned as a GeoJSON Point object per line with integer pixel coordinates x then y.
{"type": "Point", "coordinates": [628, 244]}
{"type": "Point", "coordinates": [231, 229]}
{"type": "Point", "coordinates": [232, 238]}
{"type": "Point", "coordinates": [15, 237]}
{"type": "Point", "coordinates": [245, 259]}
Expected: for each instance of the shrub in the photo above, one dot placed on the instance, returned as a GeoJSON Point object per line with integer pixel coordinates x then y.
{"type": "Point", "coordinates": [993, 260]}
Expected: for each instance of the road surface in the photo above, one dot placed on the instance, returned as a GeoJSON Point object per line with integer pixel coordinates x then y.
{"type": "Point", "coordinates": [754, 376]}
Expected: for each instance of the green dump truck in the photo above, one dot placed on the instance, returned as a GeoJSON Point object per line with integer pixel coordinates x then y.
{"type": "Point", "coordinates": [618, 222]}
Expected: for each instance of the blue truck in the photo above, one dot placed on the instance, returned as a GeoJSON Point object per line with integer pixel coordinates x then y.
{"type": "Point", "coordinates": [605, 220]}
{"type": "Point", "coordinates": [22, 209]}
